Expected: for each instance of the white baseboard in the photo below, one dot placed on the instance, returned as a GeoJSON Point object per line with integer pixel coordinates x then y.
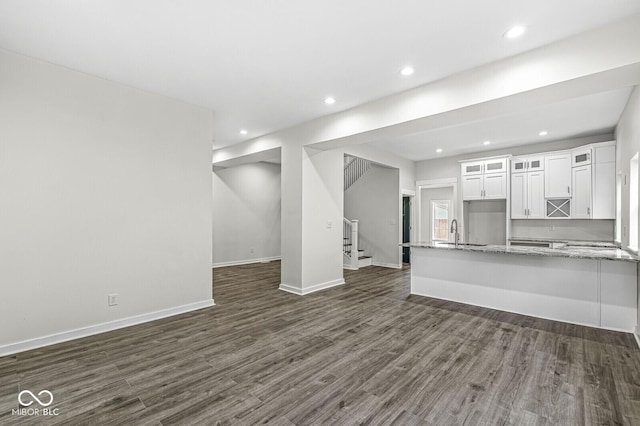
{"type": "Point", "coordinates": [65, 336]}
{"type": "Point", "coordinates": [387, 265]}
{"type": "Point", "coordinates": [312, 289]}
{"type": "Point", "coordinates": [246, 261]}
{"type": "Point", "coordinates": [351, 268]}
{"type": "Point", "coordinates": [635, 334]}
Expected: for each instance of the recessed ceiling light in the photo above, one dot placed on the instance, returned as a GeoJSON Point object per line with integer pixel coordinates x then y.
{"type": "Point", "coordinates": [514, 32]}
{"type": "Point", "coordinates": [406, 71]}
{"type": "Point", "coordinates": [439, 150]}
{"type": "Point", "coordinates": [329, 100]}
{"type": "Point", "coordinates": [243, 132]}
{"type": "Point", "coordinates": [486, 142]}
{"type": "Point", "coordinates": [543, 133]}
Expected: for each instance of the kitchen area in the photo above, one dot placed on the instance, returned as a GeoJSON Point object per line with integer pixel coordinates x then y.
{"type": "Point", "coordinates": [537, 234]}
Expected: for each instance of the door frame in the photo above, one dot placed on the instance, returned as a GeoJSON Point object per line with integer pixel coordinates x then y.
{"type": "Point", "coordinates": [434, 184]}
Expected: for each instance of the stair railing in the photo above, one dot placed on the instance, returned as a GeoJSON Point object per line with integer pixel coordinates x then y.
{"type": "Point", "coordinates": [354, 169]}
{"type": "Point", "coordinates": [350, 241]}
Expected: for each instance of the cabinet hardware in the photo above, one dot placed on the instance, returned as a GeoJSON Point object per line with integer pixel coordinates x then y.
{"type": "Point", "coordinates": [568, 190]}
{"type": "Point", "coordinates": [589, 211]}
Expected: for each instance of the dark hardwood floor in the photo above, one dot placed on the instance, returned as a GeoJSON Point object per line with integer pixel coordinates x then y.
{"type": "Point", "coordinates": [363, 353]}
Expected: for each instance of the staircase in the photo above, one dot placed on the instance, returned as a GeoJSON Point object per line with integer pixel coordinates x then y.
{"type": "Point", "coordinates": [352, 256]}
{"type": "Point", "coordinates": [354, 168]}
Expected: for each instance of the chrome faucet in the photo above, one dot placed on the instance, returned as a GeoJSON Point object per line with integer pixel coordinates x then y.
{"type": "Point", "coordinates": [454, 229]}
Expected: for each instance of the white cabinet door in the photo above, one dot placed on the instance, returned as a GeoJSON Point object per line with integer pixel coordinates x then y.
{"type": "Point", "coordinates": [535, 195]}
{"type": "Point", "coordinates": [519, 196]}
{"type": "Point", "coordinates": [581, 157]}
{"type": "Point", "coordinates": [604, 190]}
{"type": "Point", "coordinates": [499, 165]}
{"type": "Point", "coordinates": [581, 205]}
{"type": "Point", "coordinates": [518, 165]}
{"type": "Point", "coordinates": [535, 163]}
{"type": "Point", "coordinates": [557, 177]}
{"type": "Point", "coordinates": [495, 186]}
{"type": "Point", "coordinates": [472, 168]}
{"type": "Point", "coordinates": [472, 187]}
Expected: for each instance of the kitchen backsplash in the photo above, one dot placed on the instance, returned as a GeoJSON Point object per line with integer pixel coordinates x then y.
{"type": "Point", "coordinates": [564, 229]}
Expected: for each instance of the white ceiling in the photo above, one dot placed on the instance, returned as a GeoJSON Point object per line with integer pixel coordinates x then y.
{"type": "Point", "coordinates": [268, 65]}
{"type": "Point", "coordinates": [587, 115]}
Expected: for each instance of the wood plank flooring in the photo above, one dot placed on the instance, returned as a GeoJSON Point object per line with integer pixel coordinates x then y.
{"type": "Point", "coordinates": [364, 353]}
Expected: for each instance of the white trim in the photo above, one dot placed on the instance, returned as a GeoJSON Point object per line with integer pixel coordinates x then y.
{"type": "Point", "coordinates": [312, 289]}
{"type": "Point", "coordinates": [91, 330]}
{"type": "Point", "coordinates": [635, 334]}
{"type": "Point", "coordinates": [387, 265]}
{"type": "Point", "coordinates": [349, 267]}
{"type": "Point", "coordinates": [246, 261]}
{"type": "Point", "coordinates": [439, 183]}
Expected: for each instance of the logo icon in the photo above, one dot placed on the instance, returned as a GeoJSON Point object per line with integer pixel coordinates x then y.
{"type": "Point", "coordinates": [34, 398]}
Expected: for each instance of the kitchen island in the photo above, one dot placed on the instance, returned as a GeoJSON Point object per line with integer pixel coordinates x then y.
{"type": "Point", "coordinates": [594, 286]}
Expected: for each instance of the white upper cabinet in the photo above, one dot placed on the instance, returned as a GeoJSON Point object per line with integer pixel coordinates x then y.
{"type": "Point", "coordinates": [604, 182]}
{"type": "Point", "coordinates": [519, 203]}
{"type": "Point", "coordinates": [581, 157]}
{"type": "Point", "coordinates": [472, 168]}
{"type": "Point", "coordinates": [472, 187]}
{"type": "Point", "coordinates": [581, 182]}
{"type": "Point", "coordinates": [484, 179]}
{"type": "Point", "coordinates": [497, 165]}
{"type": "Point", "coordinates": [527, 195]}
{"type": "Point", "coordinates": [535, 195]}
{"type": "Point", "coordinates": [527, 164]}
{"type": "Point", "coordinates": [557, 176]}
{"type": "Point", "coordinates": [495, 186]}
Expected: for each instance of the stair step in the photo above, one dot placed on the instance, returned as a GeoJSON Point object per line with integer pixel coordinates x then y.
{"type": "Point", "coordinates": [364, 257]}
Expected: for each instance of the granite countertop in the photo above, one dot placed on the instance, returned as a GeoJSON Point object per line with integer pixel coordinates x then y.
{"type": "Point", "coordinates": [607, 244]}
{"type": "Point", "coordinates": [572, 250]}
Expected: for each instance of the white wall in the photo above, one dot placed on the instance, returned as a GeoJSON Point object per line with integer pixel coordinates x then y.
{"type": "Point", "coordinates": [246, 213]}
{"type": "Point", "coordinates": [374, 201]}
{"type": "Point", "coordinates": [628, 138]}
{"type": "Point", "coordinates": [103, 189]}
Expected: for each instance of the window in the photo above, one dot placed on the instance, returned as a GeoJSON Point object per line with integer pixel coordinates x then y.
{"type": "Point", "coordinates": [633, 204]}
{"type": "Point", "coordinates": [440, 220]}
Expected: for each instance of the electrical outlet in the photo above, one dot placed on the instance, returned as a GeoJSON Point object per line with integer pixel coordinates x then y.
{"type": "Point", "coordinates": [552, 227]}
{"type": "Point", "coordinates": [251, 250]}
{"type": "Point", "coordinates": [329, 225]}
{"type": "Point", "coordinates": [112, 299]}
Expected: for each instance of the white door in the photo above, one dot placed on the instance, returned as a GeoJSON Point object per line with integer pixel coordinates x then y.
{"type": "Point", "coordinates": [495, 186]}
{"type": "Point", "coordinates": [581, 205]}
{"type": "Point", "coordinates": [535, 195]}
{"type": "Point", "coordinates": [557, 177]}
{"type": "Point", "coordinates": [472, 187]}
{"type": "Point", "coordinates": [519, 196]}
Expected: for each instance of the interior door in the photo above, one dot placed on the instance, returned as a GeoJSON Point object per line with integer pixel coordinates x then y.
{"type": "Point", "coordinates": [406, 228]}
